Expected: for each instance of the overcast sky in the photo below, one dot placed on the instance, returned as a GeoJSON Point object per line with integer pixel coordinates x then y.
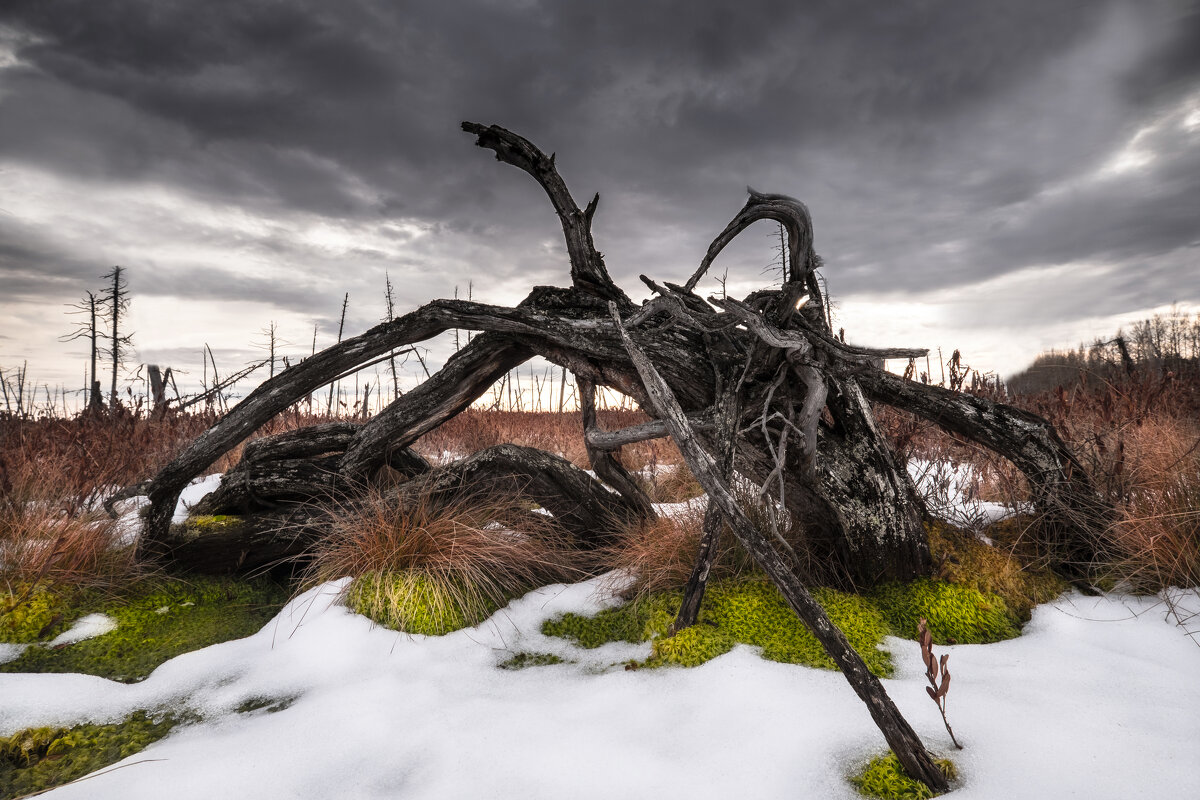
{"type": "Point", "coordinates": [998, 177]}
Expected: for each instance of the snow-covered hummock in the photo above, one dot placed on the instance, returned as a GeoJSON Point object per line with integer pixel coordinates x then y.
{"type": "Point", "coordinates": [1099, 699]}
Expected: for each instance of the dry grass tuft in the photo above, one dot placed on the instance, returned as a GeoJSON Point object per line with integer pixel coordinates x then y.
{"type": "Point", "coordinates": [660, 554]}
{"type": "Point", "coordinates": [471, 555]}
{"type": "Point", "coordinates": [671, 483]}
{"type": "Point", "coordinates": [1155, 541]}
{"type": "Point", "coordinates": [40, 545]}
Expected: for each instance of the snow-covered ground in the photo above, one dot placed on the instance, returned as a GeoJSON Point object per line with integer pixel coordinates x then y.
{"type": "Point", "coordinates": [1100, 698]}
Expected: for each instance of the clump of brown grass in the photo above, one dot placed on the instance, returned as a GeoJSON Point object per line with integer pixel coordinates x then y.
{"type": "Point", "coordinates": [671, 483]}
{"type": "Point", "coordinates": [54, 475]}
{"type": "Point", "coordinates": [1155, 541]}
{"type": "Point", "coordinates": [42, 546]}
{"type": "Point", "coordinates": [466, 556]}
{"type": "Point", "coordinates": [659, 555]}
{"type": "Point", "coordinates": [52, 539]}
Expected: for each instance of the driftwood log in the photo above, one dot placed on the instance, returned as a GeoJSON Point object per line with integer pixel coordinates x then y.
{"type": "Point", "coordinates": [758, 387]}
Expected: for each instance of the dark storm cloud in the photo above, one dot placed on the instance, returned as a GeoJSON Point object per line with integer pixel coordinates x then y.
{"type": "Point", "coordinates": [379, 89]}
{"type": "Point", "coordinates": [937, 143]}
{"type": "Point", "coordinates": [1174, 66]}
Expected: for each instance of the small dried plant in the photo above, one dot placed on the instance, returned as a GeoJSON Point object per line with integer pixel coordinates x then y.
{"type": "Point", "coordinates": [936, 689]}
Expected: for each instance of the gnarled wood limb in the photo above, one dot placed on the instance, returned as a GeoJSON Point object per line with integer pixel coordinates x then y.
{"type": "Point", "coordinates": [286, 388]}
{"type": "Point", "coordinates": [251, 544]}
{"type": "Point", "coordinates": [296, 466]}
{"type": "Point", "coordinates": [466, 376]}
{"type": "Point", "coordinates": [726, 414]}
{"type": "Point", "coordinates": [899, 734]}
{"type": "Point", "coordinates": [588, 272]}
{"type": "Point", "coordinates": [604, 462]}
{"type": "Point", "coordinates": [1062, 491]}
{"type": "Point", "coordinates": [586, 510]}
{"type": "Point", "coordinates": [313, 440]}
{"type": "Point", "coordinates": [580, 504]}
{"type": "Point", "coordinates": [860, 513]}
{"type": "Point", "coordinates": [800, 275]}
{"type": "Point", "coordinates": [258, 486]}
{"type": "Point", "coordinates": [643, 431]}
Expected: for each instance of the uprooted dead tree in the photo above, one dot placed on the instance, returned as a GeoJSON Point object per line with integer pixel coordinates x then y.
{"type": "Point", "coordinates": [757, 389]}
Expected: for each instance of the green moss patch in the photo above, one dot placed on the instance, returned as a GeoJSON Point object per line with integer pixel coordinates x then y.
{"type": "Point", "coordinates": [35, 616]}
{"type": "Point", "coordinates": [957, 614]}
{"type": "Point", "coordinates": [639, 621]}
{"type": "Point", "coordinates": [413, 601]}
{"type": "Point", "coordinates": [37, 759]}
{"type": "Point", "coordinates": [886, 779]}
{"type": "Point", "coordinates": [210, 521]}
{"type": "Point", "coordinates": [691, 647]}
{"type": "Point", "coordinates": [156, 621]}
{"type": "Point", "coordinates": [525, 660]}
{"type": "Point", "coordinates": [747, 611]}
{"type": "Point", "coordinates": [754, 612]}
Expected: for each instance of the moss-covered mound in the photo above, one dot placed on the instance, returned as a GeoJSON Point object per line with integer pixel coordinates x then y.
{"type": "Point", "coordinates": [747, 611]}
{"type": "Point", "coordinates": [884, 778]}
{"type": "Point", "coordinates": [957, 614]}
{"type": "Point", "coordinates": [156, 621]}
{"type": "Point", "coordinates": [752, 611]}
{"type": "Point", "coordinates": [203, 524]}
{"type": "Point", "coordinates": [35, 614]}
{"type": "Point", "coordinates": [414, 601]}
{"type": "Point", "coordinates": [37, 759]}
{"type": "Point", "coordinates": [638, 621]}
{"type": "Point", "coordinates": [960, 557]}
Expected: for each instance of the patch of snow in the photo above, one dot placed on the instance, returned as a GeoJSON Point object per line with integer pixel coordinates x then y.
{"type": "Point", "coordinates": [950, 494]}
{"type": "Point", "coordinates": [599, 480]}
{"type": "Point", "coordinates": [10, 651]}
{"type": "Point", "coordinates": [1098, 699]}
{"type": "Point", "coordinates": [129, 520]}
{"type": "Point", "coordinates": [696, 505]}
{"type": "Point", "coordinates": [88, 627]}
{"type": "Point", "coordinates": [193, 493]}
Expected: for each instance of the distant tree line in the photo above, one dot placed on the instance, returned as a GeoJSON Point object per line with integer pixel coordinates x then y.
{"type": "Point", "coordinates": [1164, 344]}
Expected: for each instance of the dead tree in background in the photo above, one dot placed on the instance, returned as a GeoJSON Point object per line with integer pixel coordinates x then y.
{"type": "Point", "coordinates": [759, 387]}
{"type": "Point", "coordinates": [116, 303]}
{"type": "Point", "coordinates": [87, 330]}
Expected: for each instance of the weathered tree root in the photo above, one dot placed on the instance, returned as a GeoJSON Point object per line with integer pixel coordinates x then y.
{"type": "Point", "coordinates": [229, 533]}
{"type": "Point", "coordinates": [801, 427]}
